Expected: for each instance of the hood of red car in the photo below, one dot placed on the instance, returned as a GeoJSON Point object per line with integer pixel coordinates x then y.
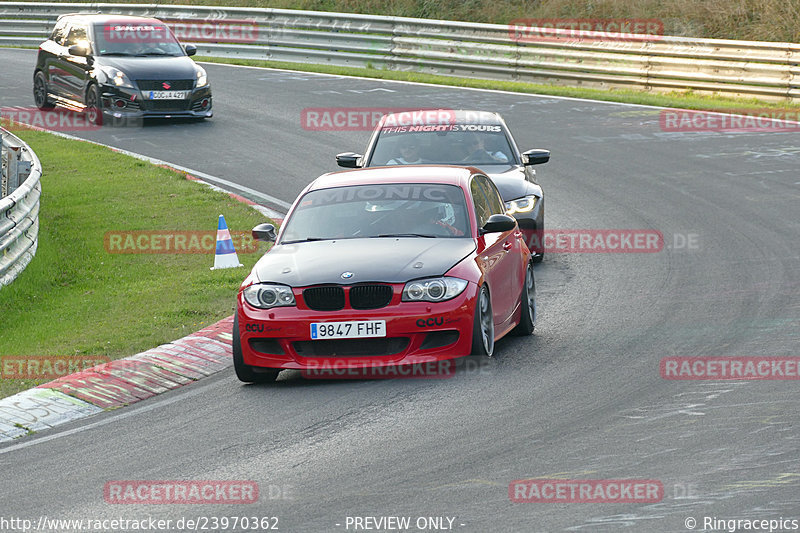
{"type": "Point", "coordinates": [387, 259]}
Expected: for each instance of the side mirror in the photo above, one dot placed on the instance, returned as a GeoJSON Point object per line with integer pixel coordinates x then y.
{"type": "Point", "coordinates": [264, 232]}
{"type": "Point", "coordinates": [78, 50]}
{"type": "Point", "coordinates": [349, 160]}
{"type": "Point", "coordinates": [499, 223]}
{"type": "Point", "coordinates": [190, 49]}
{"type": "Point", "coordinates": [535, 157]}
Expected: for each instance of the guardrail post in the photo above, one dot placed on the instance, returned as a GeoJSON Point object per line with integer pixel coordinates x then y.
{"type": "Point", "coordinates": [12, 168]}
{"type": "Point", "coordinates": [17, 169]}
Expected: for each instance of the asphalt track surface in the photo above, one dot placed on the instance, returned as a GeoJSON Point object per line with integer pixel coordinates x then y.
{"type": "Point", "coordinates": [582, 398]}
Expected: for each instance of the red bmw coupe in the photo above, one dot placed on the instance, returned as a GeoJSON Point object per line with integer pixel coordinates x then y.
{"type": "Point", "coordinates": [382, 267]}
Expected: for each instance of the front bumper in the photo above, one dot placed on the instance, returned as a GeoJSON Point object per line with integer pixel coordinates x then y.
{"type": "Point", "coordinates": [131, 103]}
{"type": "Point", "coordinates": [416, 333]}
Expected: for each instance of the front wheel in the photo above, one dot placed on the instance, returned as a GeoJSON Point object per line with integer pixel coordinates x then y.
{"type": "Point", "coordinates": [40, 96]}
{"type": "Point", "coordinates": [483, 326]}
{"type": "Point", "coordinates": [94, 112]}
{"type": "Point", "coordinates": [527, 318]}
{"type": "Point", "coordinates": [247, 373]}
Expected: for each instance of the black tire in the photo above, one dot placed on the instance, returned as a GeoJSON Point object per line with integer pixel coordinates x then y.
{"type": "Point", "coordinates": [247, 373]}
{"type": "Point", "coordinates": [483, 325]}
{"type": "Point", "coordinates": [40, 92]}
{"type": "Point", "coordinates": [94, 111]}
{"type": "Point", "coordinates": [527, 319]}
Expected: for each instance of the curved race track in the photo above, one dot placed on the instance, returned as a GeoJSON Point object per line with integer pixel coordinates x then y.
{"type": "Point", "coordinates": [583, 398]}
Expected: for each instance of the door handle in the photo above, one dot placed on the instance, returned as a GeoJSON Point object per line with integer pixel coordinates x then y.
{"type": "Point", "coordinates": [507, 246]}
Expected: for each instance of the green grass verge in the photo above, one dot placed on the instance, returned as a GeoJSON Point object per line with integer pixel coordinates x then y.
{"type": "Point", "coordinates": [75, 298]}
{"type": "Point", "coordinates": [684, 100]}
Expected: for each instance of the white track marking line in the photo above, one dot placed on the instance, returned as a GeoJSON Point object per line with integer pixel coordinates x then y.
{"type": "Point", "coordinates": [128, 412]}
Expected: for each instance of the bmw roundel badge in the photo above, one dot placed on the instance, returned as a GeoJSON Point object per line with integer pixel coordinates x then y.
{"type": "Point", "coordinates": [347, 275]}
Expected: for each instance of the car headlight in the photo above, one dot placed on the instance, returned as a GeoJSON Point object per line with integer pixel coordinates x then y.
{"type": "Point", "coordinates": [202, 77]}
{"type": "Point", "coordinates": [521, 205]}
{"type": "Point", "coordinates": [433, 289]}
{"type": "Point", "coordinates": [267, 296]}
{"type": "Point", "coordinates": [117, 77]}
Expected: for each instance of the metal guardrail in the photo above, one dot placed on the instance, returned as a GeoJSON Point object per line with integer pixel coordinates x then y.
{"type": "Point", "coordinates": [766, 70]}
{"type": "Point", "coordinates": [19, 206]}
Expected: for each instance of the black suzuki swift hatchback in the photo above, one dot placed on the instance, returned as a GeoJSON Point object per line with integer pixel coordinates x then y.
{"type": "Point", "coordinates": [121, 67]}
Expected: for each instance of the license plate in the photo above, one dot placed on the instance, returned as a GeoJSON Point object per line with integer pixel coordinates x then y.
{"type": "Point", "coordinates": [168, 95]}
{"type": "Point", "coordinates": [348, 330]}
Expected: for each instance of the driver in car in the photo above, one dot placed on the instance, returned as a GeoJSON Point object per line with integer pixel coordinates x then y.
{"type": "Point", "coordinates": [409, 153]}
{"type": "Point", "coordinates": [479, 153]}
{"type": "Point", "coordinates": [440, 221]}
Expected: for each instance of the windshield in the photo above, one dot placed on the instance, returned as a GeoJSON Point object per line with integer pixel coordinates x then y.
{"type": "Point", "coordinates": [378, 211]}
{"type": "Point", "coordinates": [136, 40]}
{"type": "Point", "coordinates": [459, 144]}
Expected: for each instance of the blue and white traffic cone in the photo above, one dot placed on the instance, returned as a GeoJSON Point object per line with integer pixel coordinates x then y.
{"type": "Point", "coordinates": [225, 256]}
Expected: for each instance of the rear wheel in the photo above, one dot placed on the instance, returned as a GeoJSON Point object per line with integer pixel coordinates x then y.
{"type": "Point", "coordinates": [40, 96]}
{"type": "Point", "coordinates": [527, 319]}
{"type": "Point", "coordinates": [94, 113]}
{"type": "Point", "coordinates": [483, 326]}
{"type": "Point", "coordinates": [247, 373]}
